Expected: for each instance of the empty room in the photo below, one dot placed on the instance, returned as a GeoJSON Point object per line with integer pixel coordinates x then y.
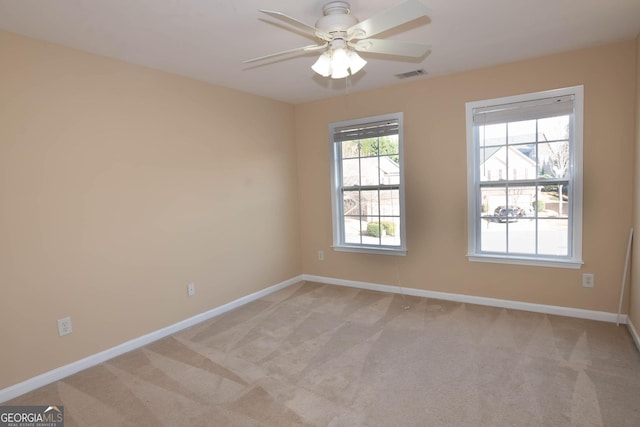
{"type": "Point", "coordinates": [319, 213]}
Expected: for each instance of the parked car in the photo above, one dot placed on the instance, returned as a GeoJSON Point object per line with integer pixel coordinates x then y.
{"type": "Point", "coordinates": [508, 214]}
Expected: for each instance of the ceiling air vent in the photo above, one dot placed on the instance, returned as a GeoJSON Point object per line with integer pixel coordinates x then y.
{"type": "Point", "coordinates": [413, 73]}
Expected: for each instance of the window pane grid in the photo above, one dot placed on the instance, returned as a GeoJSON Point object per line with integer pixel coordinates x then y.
{"type": "Point", "coordinates": [517, 162]}
{"type": "Point", "coordinates": [374, 217]}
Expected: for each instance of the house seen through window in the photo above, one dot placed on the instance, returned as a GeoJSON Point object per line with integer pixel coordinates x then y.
{"type": "Point", "coordinates": [367, 185]}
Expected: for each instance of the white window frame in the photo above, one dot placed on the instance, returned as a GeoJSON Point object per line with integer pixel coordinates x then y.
{"type": "Point", "coordinates": [574, 257]}
{"type": "Point", "coordinates": [339, 243]}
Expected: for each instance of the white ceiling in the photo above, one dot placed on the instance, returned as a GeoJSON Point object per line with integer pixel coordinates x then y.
{"type": "Point", "coordinates": [208, 39]}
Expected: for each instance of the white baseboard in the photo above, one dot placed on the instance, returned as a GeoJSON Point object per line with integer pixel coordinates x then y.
{"type": "Point", "coordinates": [493, 302]}
{"type": "Point", "coordinates": [634, 334]}
{"type": "Point", "coordinates": [82, 364]}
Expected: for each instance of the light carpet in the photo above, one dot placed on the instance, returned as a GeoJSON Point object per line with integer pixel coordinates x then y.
{"type": "Point", "coordinates": [323, 355]}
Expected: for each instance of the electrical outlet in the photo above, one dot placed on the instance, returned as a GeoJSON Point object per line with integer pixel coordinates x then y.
{"type": "Point", "coordinates": [191, 289]}
{"type": "Point", "coordinates": [320, 255]}
{"type": "Point", "coordinates": [64, 326]}
{"type": "Point", "coordinates": [588, 280]}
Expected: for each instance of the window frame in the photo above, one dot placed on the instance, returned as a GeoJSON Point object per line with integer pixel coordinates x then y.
{"type": "Point", "coordinates": [339, 235]}
{"type": "Point", "coordinates": [474, 214]}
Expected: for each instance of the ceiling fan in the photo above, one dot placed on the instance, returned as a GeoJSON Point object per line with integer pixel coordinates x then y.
{"type": "Point", "coordinates": [341, 36]}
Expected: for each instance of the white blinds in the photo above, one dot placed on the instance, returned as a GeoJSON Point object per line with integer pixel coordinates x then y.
{"type": "Point", "coordinates": [368, 130]}
{"type": "Point", "coordinates": [527, 110]}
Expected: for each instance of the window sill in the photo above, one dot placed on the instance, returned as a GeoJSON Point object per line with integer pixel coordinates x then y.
{"type": "Point", "coordinates": [371, 250]}
{"type": "Point", "coordinates": [539, 262]}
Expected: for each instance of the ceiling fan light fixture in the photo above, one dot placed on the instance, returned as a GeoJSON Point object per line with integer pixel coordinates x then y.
{"type": "Point", "coordinates": [338, 62]}
{"type": "Point", "coordinates": [323, 65]}
{"type": "Point", "coordinates": [340, 59]}
{"type": "Point", "coordinates": [356, 62]}
{"type": "Point", "coordinates": [340, 73]}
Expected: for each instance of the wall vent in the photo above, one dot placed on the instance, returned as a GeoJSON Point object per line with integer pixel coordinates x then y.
{"type": "Point", "coordinates": [413, 73]}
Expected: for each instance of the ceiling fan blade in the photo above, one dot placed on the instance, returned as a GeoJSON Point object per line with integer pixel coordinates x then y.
{"type": "Point", "coordinates": [309, 48]}
{"type": "Point", "coordinates": [298, 24]}
{"type": "Point", "coordinates": [388, 19]}
{"type": "Point", "coordinates": [391, 47]}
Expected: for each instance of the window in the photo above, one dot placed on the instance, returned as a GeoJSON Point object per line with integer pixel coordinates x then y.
{"type": "Point", "coordinates": [368, 185]}
{"type": "Point", "coordinates": [524, 157]}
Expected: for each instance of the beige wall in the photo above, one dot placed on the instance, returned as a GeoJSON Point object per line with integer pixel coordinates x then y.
{"type": "Point", "coordinates": [436, 173]}
{"type": "Point", "coordinates": [634, 309]}
{"type": "Point", "coordinates": [118, 186]}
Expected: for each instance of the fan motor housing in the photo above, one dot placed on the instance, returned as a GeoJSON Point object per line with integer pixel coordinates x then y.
{"type": "Point", "coordinates": [337, 18]}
